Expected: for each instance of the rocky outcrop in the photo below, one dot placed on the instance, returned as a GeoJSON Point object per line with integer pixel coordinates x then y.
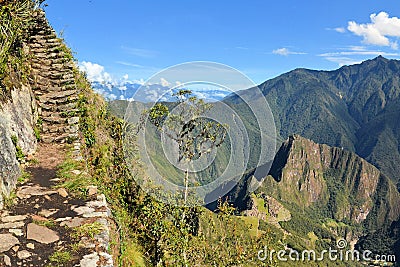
{"type": "Point", "coordinates": [18, 116]}
{"type": "Point", "coordinates": [310, 175]}
{"type": "Point", "coordinates": [53, 82]}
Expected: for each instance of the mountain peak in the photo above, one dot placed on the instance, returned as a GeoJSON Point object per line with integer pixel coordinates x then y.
{"type": "Point", "coordinates": [311, 172]}
{"type": "Point", "coordinates": [380, 58]}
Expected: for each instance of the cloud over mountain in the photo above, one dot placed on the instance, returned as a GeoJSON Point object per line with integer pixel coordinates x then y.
{"type": "Point", "coordinates": [378, 31]}
{"type": "Point", "coordinates": [95, 72]}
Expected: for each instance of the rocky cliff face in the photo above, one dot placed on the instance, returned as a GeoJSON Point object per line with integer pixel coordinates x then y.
{"type": "Point", "coordinates": [18, 117]}
{"type": "Point", "coordinates": [347, 187]}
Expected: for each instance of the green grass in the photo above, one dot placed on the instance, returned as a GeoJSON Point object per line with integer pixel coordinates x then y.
{"type": "Point", "coordinates": [25, 176]}
{"type": "Point", "coordinates": [260, 204]}
{"type": "Point", "coordinates": [313, 237]}
{"type": "Point", "coordinates": [74, 183]}
{"type": "Point", "coordinates": [47, 223]}
{"type": "Point", "coordinates": [60, 258]}
{"type": "Point", "coordinates": [132, 256]}
{"type": "Point", "coordinates": [252, 224]}
{"type": "Point", "coordinates": [18, 150]}
{"type": "Point", "coordinates": [87, 230]}
{"type": "Point", "coordinates": [9, 201]}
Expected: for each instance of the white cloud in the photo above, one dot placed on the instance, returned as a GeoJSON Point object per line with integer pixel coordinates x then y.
{"type": "Point", "coordinates": [164, 82]}
{"type": "Point", "coordinates": [125, 77]}
{"type": "Point", "coordinates": [357, 48]}
{"type": "Point", "coordinates": [354, 55]}
{"type": "Point", "coordinates": [95, 72]}
{"type": "Point", "coordinates": [378, 31]}
{"type": "Point", "coordinates": [358, 53]}
{"type": "Point", "coordinates": [129, 64]}
{"type": "Point", "coordinates": [141, 81]}
{"type": "Point", "coordinates": [341, 61]}
{"type": "Point", "coordinates": [340, 29]}
{"type": "Point", "coordinates": [285, 52]}
{"type": "Point", "coordinates": [145, 53]}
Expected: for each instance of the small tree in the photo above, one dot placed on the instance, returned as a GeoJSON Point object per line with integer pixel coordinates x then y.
{"type": "Point", "coordinates": [195, 135]}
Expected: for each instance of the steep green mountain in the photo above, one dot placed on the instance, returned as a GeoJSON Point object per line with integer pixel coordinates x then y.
{"type": "Point", "coordinates": [356, 107]}
{"type": "Point", "coordinates": [317, 192]}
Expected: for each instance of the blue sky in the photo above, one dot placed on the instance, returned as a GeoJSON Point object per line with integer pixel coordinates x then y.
{"type": "Point", "coordinates": [116, 40]}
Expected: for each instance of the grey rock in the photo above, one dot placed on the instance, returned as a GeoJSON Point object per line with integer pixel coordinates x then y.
{"type": "Point", "coordinates": [101, 214]}
{"type": "Point", "coordinates": [83, 210]}
{"type": "Point", "coordinates": [96, 204]}
{"type": "Point", "coordinates": [102, 198]}
{"type": "Point", "coordinates": [23, 254]}
{"type": "Point", "coordinates": [75, 222]}
{"type": "Point", "coordinates": [92, 190]}
{"type": "Point", "coordinates": [62, 192]}
{"type": "Point", "coordinates": [73, 120]}
{"type": "Point", "coordinates": [8, 219]}
{"type": "Point", "coordinates": [7, 260]}
{"type": "Point", "coordinates": [63, 219]}
{"type": "Point", "coordinates": [29, 191]}
{"type": "Point", "coordinates": [41, 234]}
{"type": "Point", "coordinates": [7, 241]}
{"type": "Point", "coordinates": [47, 213]}
{"type": "Point", "coordinates": [11, 225]}
{"type": "Point", "coordinates": [17, 232]}
{"type": "Point", "coordinates": [107, 257]}
{"type": "Point", "coordinates": [90, 260]}
{"type": "Point", "coordinates": [76, 172]}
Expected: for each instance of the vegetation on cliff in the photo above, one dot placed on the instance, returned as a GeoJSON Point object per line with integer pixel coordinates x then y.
{"type": "Point", "coordinates": [15, 20]}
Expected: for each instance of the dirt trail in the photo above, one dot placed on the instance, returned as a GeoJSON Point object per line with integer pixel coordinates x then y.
{"type": "Point", "coordinates": [38, 230]}
{"type": "Point", "coordinates": [49, 156]}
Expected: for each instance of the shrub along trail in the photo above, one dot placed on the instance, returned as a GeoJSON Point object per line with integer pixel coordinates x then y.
{"type": "Point", "coordinates": [44, 225]}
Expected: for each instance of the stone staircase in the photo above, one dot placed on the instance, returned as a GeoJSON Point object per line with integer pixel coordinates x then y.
{"type": "Point", "coordinates": [53, 83]}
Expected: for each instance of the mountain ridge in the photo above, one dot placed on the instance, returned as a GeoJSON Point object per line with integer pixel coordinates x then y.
{"type": "Point", "coordinates": [328, 191]}
{"type": "Point", "coordinates": [355, 107]}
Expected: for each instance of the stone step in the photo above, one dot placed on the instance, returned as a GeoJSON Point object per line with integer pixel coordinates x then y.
{"type": "Point", "coordinates": [51, 87]}
{"type": "Point", "coordinates": [42, 61]}
{"type": "Point", "coordinates": [57, 138]}
{"type": "Point", "coordinates": [36, 50]}
{"type": "Point", "coordinates": [67, 81]}
{"type": "Point", "coordinates": [35, 45]}
{"type": "Point", "coordinates": [45, 106]}
{"type": "Point", "coordinates": [55, 74]}
{"type": "Point", "coordinates": [64, 113]}
{"type": "Point", "coordinates": [55, 119]}
{"type": "Point", "coordinates": [67, 108]}
{"type": "Point", "coordinates": [39, 68]}
{"type": "Point", "coordinates": [54, 49]}
{"type": "Point", "coordinates": [57, 95]}
{"type": "Point", "coordinates": [42, 81]}
{"type": "Point", "coordinates": [68, 75]}
{"type": "Point", "coordinates": [59, 101]}
{"type": "Point", "coordinates": [61, 60]}
{"type": "Point", "coordinates": [54, 129]}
